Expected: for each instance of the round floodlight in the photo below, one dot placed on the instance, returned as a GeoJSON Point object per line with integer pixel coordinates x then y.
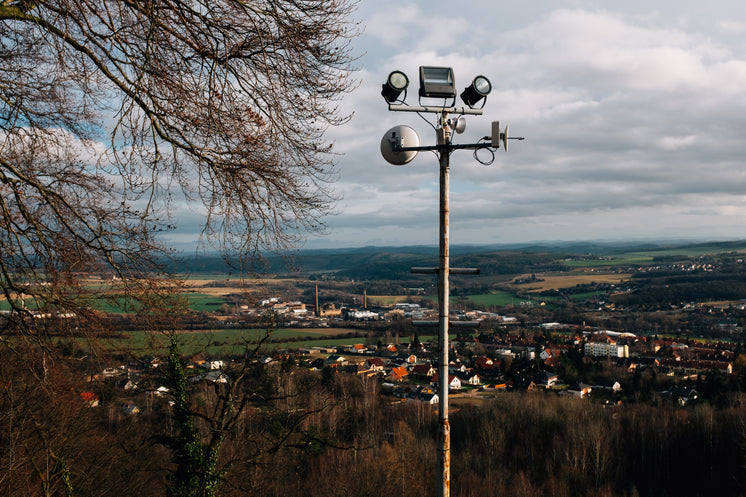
{"type": "Point", "coordinates": [479, 89]}
{"type": "Point", "coordinates": [396, 138]}
{"type": "Point", "coordinates": [396, 83]}
{"type": "Point", "coordinates": [398, 80]}
{"type": "Point", "coordinates": [482, 85]}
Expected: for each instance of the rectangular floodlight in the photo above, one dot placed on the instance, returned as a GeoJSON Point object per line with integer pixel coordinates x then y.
{"type": "Point", "coordinates": [437, 82]}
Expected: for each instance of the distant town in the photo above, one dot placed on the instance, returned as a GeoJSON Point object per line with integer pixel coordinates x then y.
{"type": "Point", "coordinates": [683, 352]}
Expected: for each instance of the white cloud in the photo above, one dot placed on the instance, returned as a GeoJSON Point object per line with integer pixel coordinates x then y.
{"type": "Point", "coordinates": [633, 118]}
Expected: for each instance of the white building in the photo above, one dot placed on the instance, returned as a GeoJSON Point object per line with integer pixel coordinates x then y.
{"type": "Point", "coordinates": [605, 346]}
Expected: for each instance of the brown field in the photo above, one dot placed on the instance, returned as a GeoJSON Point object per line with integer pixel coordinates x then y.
{"type": "Point", "coordinates": [555, 282]}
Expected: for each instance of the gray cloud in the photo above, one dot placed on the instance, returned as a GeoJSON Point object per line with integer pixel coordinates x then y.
{"type": "Point", "coordinates": [633, 117]}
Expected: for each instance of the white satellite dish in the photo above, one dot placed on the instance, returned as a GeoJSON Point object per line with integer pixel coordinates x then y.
{"type": "Point", "coordinates": [458, 124]}
{"type": "Point", "coordinates": [505, 138]}
{"type": "Point", "coordinates": [403, 136]}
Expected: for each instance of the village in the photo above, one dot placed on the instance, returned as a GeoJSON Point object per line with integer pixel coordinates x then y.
{"type": "Point", "coordinates": [490, 354]}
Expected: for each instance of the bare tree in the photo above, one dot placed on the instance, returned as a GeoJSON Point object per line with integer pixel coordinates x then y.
{"type": "Point", "coordinates": [112, 111]}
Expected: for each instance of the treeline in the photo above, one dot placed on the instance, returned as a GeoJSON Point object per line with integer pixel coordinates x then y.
{"type": "Point", "coordinates": [656, 290]}
{"type": "Point", "coordinates": [371, 264]}
{"type": "Point", "coordinates": [310, 433]}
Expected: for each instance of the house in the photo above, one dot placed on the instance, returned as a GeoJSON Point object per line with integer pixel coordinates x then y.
{"type": "Point", "coordinates": [526, 384]}
{"type": "Point", "coordinates": [610, 385]}
{"type": "Point", "coordinates": [374, 364]}
{"type": "Point", "coordinates": [423, 370]}
{"type": "Point", "coordinates": [424, 394]}
{"type": "Point", "coordinates": [484, 363]}
{"type": "Point", "coordinates": [212, 365]}
{"type": "Point", "coordinates": [550, 357]}
{"type": "Point", "coordinates": [335, 360]}
{"type": "Point", "coordinates": [90, 399]}
{"type": "Point", "coordinates": [469, 378]}
{"type": "Point", "coordinates": [357, 348]}
{"type": "Point", "coordinates": [398, 373]}
{"type": "Point", "coordinates": [407, 357]}
{"type": "Point", "coordinates": [216, 376]}
{"type": "Point", "coordinates": [357, 369]}
{"type": "Point", "coordinates": [580, 389]}
{"type": "Point", "coordinates": [429, 398]}
{"type": "Point", "coordinates": [545, 379]}
{"type": "Point", "coordinates": [456, 367]}
{"type": "Point", "coordinates": [682, 395]}
{"type": "Point", "coordinates": [197, 360]}
{"type": "Point", "coordinates": [454, 383]}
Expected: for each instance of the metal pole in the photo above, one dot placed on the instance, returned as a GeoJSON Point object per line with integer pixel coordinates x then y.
{"type": "Point", "coordinates": [444, 431]}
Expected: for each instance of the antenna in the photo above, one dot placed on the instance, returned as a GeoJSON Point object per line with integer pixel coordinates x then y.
{"type": "Point", "coordinates": [495, 134]}
{"type": "Point", "coordinates": [397, 138]}
{"type": "Point", "coordinates": [501, 136]}
{"type": "Point", "coordinates": [458, 124]}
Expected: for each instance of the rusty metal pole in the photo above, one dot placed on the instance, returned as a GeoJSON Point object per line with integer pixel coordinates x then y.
{"type": "Point", "coordinates": [444, 430]}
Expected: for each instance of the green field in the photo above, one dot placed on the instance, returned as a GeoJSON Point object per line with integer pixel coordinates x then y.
{"type": "Point", "coordinates": [387, 299]}
{"type": "Point", "coordinates": [500, 298]}
{"type": "Point", "coordinates": [616, 260]}
{"type": "Point", "coordinates": [201, 302]}
{"type": "Point", "coordinates": [648, 256]}
{"type": "Point", "coordinates": [693, 251]}
{"type": "Point", "coordinates": [216, 343]}
{"type": "Point", "coordinates": [580, 297]}
{"type": "Point", "coordinates": [197, 302]}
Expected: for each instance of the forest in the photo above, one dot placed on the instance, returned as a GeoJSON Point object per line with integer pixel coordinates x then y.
{"type": "Point", "coordinates": [305, 432]}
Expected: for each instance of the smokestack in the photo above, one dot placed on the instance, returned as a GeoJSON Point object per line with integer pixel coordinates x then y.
{"type": "Point", "coordinates": [318, 311]}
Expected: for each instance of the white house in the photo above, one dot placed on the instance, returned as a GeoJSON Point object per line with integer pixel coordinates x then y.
{"type": "Point", "coordinates": [580, 389]}
{"type": "Point", "coordinates": [454, 383]}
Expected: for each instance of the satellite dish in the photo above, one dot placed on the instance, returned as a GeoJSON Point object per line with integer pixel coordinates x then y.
{"type": "Point", "coordinates": [505, 138]}
{"type": "Point", "coordinates": [399, 137]}
{"type": "Point", "coordinates": [459, 124]}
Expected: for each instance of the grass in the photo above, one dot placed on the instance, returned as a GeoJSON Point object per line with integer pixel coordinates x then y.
{"type": "Point", "coordinates": [580, 297]}
{"type": "Point", "coordinates": [218, 343]}
{"type": "Point", "coordinates": [387, 299]}
{"type": "Point", "coordinates": [498, 298]}
{"type": "Point", "coordinates": [648, 256]}
{"type": "Point", "coordinates": [616, 260]}
{"type": "Point", "coordinates": [202, 302]}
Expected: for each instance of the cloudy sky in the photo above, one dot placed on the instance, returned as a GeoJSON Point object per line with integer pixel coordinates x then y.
{"type": "Point", "coordinates": [634, 115]}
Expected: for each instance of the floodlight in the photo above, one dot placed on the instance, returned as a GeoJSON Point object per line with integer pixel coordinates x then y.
{"type": "Point", "coordinates": [475, 92]}
{"type": "Point", "coordinates": [396, 83]}
{"type": "Point", "coordinates": [437, 82]}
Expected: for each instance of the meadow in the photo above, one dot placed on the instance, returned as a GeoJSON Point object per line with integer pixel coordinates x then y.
{"type": "Point", "coordinates": [219, 343]}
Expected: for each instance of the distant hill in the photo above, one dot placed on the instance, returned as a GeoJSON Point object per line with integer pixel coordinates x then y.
{"type": "Point", "coordinates": [394, 263]}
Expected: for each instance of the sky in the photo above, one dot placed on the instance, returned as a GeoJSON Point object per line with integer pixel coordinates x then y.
{"type": "Point", "coordinates": [633, 115]}
{"type": "Point", "coordinates": [633, 112]}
